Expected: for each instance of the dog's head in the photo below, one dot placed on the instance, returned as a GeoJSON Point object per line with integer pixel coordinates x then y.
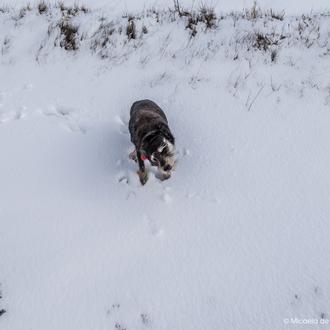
{"type": "Point", "coordinates": [160, 150]}
{"type": "Point", "coordinates": [163, 156]}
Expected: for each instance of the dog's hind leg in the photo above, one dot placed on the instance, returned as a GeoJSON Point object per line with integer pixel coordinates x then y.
{"type": "Point", "coordinates": [133, 156]}
{"type": "Point", "coordinates": [143, 174]}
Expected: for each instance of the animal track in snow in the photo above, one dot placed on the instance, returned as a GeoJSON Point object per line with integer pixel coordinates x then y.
{"type": "Point", "coordinates": [57, 111]}
{"type": "Point", "coordinates": [11, 111]}
{"type": "Point", "coordinates": [12, 115]}
{"type": "Point", "coordinates": [114, 307]}
{"type": "Point", "coordinates": [2, 311]}
{"type": "Point", "coordinates": [185, 152]}
{"type": "Point", "coordinates": [67, 116]}
{"type": "Point", "coordinates": [131, 195]}
{"type": "Point", "coordinates": [75, 127]}
{"type": "Point", "coordinates": [145, 319]}
{"type": "Point", "coordinates": [113, 311]}
{"type": "Point", "coordinates": [154, 226]}
{"type": "Point", "coordinates": [123, 176]}
{"type": "Point", "coordinates": [117, 313]}
{"type": "Point", "coordinates": [123, 179]}
{"type": "Point", "coordinates": [119, 326]}
{"type": "Point", "coordinates": [314, 298]}
{"type": "Point", "coordinates": [166, 197]}
{"type": "Point", "coordinates": [123, 124]}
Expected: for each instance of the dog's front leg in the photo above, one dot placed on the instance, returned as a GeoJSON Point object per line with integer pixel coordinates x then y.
{"type": "Point", "coordinates": [143, 174]}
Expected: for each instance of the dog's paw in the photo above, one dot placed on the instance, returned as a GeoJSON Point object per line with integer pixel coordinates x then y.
{"type": "Point", "coordinates": [143, 176]}
{"type": "Point", "coordinates": [163, 176]}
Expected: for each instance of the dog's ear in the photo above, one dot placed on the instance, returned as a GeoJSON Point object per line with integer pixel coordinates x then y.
{"type": "Point", "coordinates": [166, 133]}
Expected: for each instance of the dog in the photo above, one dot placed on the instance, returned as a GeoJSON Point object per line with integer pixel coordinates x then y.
{"type": "Point", "coordinates": [152, 139]}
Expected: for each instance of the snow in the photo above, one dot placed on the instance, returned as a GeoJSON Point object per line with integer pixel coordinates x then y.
{"type": "Point", "coordinates": [120, 6]}
{"type": "Point", "coordinates": [236, 239]}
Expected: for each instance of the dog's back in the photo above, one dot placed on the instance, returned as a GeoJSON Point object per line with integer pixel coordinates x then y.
{"type": "Point", "coordinates": [146, 109]}
{"type": "Point", "coordinates": [146, 116]}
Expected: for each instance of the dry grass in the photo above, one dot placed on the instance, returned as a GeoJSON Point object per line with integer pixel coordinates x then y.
{"type": "Point", "coordinates": [68, 35]}
{"type": "Point", "coordinates": [42, 8]}
{"type": "Point", "coordinates": [205, 15]}
{"type": "Point", "coordinates": [131, 28]}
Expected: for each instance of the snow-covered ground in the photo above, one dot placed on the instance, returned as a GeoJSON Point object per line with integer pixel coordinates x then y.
{"type": "Point", "coordinates": [238, 238]}
{"type": "Point", "coordinates": [118, 6]}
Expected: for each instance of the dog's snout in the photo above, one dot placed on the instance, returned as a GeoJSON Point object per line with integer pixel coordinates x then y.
{"type": "Point", "coordinates": [167, 168]}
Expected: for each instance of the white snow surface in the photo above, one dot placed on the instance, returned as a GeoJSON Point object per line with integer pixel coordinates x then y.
{"type": "Point", "coordinates": [238, 238]}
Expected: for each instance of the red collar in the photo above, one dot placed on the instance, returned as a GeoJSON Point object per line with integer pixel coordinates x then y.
{"type": "Point", "coordinates": [143, 157]}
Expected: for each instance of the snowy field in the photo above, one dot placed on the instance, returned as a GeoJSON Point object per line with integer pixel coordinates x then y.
{"type": "Point", "coordinates": [238, 238]}
{"type": "Point", "coordinates": [118, 6]}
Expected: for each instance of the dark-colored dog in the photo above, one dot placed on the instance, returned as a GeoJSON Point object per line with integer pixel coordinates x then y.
{"type": "Point", "coordinates": [152, 138]}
